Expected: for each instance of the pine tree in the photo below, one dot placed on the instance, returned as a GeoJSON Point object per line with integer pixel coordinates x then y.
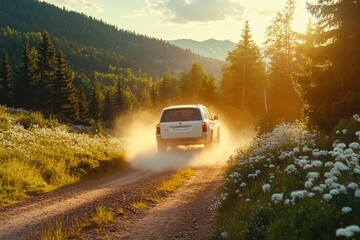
{"type": "Point", "coordinates": [145, 100]}
{"type": "Point", "coordinates": [47, 72]}
{"type": "Point", "coordinates": [335, 72]}
{"type": "Point", "coordinates": [284, 103]}
{"type": "Point", "coordinates": [65, 97]}
{"type": "Point", "coordinates": [6, 82]}
{"type": "Point", "coordinates": [108, 110]}
{"type": "Point", "coordinates": [119, 99]}
{"type": "Point", "coordinates": [154, 94]}
{"type": "Point", "coordinates": [83, 104]}
{"type": "Point", "coordinates": [191, 82]}
{"type": "Point", "coordinates": [95, 100]}
{"type": "Point", "coordinates": [168, 88]}
{"type": "Point", "coordinates": [27, 81]}
{"type": "Point", "coordinates": [243, 76]}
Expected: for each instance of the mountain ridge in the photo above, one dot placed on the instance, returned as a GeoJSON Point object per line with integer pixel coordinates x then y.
{"type": "Point", "coordinates": [211, 48]}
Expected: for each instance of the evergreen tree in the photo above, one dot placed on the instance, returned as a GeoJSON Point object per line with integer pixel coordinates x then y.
{"type": "Point", "coordinates": [243, 76]}
{"type": "Point", "coordinates": [95, 100]}
{"type": "Point", "coordinates": [108, 110]}
{"type": "Point", "coordinates": [334, 73]}
{"type": "Point", "coordinates": [168, 88]}
{"type": "Point", "coordinates": [208, 91]}
{"type": "Point", "coordinates": [284, 103]}
{"type": "Point", "coordinates": [6, 82]}
{"type": "Point", "coordinates": [47, 72]}
{"type": "Point", "coordinates": [65, 97]}
{"type": "Point", "coordinates": [83, 104]}
{"type": "Point", "coordinates": [145, 100]}
{"type": "Point", "coordinates": [119, 99]}
{"type": "Point", "coordinates": [27, 80]}
{"type": "Point", "coordinates": [130, 100]}
{"type": "Point", "coordinates": [154, 94]}
{"type": "Point", "coordinates": [191, 82]}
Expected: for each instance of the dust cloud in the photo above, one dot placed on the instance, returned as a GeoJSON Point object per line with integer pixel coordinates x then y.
{"type": "Point", "coordinates": [139, 129]}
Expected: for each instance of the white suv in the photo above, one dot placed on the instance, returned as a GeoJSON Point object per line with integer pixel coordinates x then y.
{"type": "Point", "coordinates": [186, 125]}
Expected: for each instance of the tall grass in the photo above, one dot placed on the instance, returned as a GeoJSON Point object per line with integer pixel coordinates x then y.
{"type": "Point", "coordinates": [293, 184]}
{"type": "Point", "coordinates": [39, 155]}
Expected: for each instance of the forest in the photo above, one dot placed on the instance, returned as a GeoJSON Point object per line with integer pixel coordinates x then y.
{"type": "Point", "coordinates": [313, 76]}
{"type": "Point", "coordinates": [90, 44]}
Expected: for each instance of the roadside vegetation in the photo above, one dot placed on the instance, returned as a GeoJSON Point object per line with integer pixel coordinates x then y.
{"type": "Point", "coordinates": [103, 216]}
{"type": "Point", "coordinates": [293, 183]}
{"type": "Point", "coordinates": [38, 155]}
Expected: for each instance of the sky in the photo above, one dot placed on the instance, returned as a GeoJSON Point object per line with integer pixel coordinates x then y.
{"type": "Point", "coordinates": [188, 19]}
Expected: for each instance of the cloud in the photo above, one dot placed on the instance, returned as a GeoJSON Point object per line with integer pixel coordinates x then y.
{"type": "Point", "coordinates": [78, 4]}
{"type": "Point", "coordinates": [184, 11]}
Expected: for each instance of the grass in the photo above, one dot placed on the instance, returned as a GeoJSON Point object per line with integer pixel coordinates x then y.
{"type": "Point", "coordinates": [293, 183]}
{"type": "Point", "coordinates": [174, 182]}
{"type": "Point", "coordinates": [64, 229]}
{"type": "Point", "coordinates": [38, 155]}
{"type": "Point", "coordinates": [102, 217]}
{"type": "Point", "coordinates": [139, 205]}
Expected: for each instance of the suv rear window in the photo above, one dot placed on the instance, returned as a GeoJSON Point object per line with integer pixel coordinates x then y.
{"type": "Point", "coordinates": [181, 114]}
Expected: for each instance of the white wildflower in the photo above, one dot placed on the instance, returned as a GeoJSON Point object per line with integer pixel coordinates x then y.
{"type": "Point", "coordinates": [341, 167]}
{"type": "Point", "coordinates": [306, 149]}
{"type": "Point", "coordinates": [344, 131]}
{"type": "Point", "coordinates": [329, 164]}
{"type": "Point", "coordinates": [316, 164]}
{"type": "Point", "coordinates": [345, 210]}
{"type": "Point", "coordinates": [358, 134]}
{"type": "Point", "coordinates": [307, 166]}
{"type": "Point", "coordinates": [334, 192]}
{"type": "Point", "coordinates": [303, 162]}
{"type": "Point", "coordinates": [348, 231]}
{"type": "Point", "coordinates": [224, 235]}
{"type": "Point", "coordinates": [342, 189]}
{"type": "Point", "coordinates": [327, 197]}
{"type": "Point", "coordinates": [266, 187]}
{"type": "Point", "coordinates": [357, 193]}
{"type": "Point", "coordinates": [309, 184]}
{"type": "Point", "coordinates": [328, 174]}
{"type": "Point", "coordinates": [354, 145]}
{"type": "Point", "coordinates": [300, 194]}
{"type": "Point", "coordinates": [310, 195]}
{"type": "Point", "coordinates": [277, 197]}
{"type": "Point", "coordinates": [290, 169]}
{"type": "Point", "coordinates": [313, 175]}
{"type": "Point", "coordinates": [317, 189]}
{"type": "Point", "coordinates": [353, 186]}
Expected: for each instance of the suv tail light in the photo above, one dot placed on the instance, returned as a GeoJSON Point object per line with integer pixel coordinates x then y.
{"type": "Point", "coordinates": [158, 129]}
{"type": "Point", "coordinates": [204, 127]}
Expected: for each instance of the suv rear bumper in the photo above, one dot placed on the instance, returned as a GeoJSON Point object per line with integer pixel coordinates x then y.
{"type": "Point", "coordinates": [183, 141]}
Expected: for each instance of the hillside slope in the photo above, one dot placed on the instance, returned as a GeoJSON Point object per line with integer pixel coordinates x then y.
{"type": "Point", "coordinates": [86, 40]}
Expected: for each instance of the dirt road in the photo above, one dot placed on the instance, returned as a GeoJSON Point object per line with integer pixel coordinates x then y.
{"type": "Point", "coordinates": [183, 215]}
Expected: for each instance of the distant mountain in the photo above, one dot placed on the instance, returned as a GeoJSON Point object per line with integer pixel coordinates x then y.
{"type": "Point", "coordinates": [91, 44]}
{"type": "Point", "coordinates": [210, 48]}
